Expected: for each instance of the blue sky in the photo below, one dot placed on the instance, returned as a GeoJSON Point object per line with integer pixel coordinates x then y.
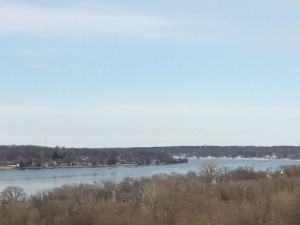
{"type": "Point", "coordinates": [149, 73]}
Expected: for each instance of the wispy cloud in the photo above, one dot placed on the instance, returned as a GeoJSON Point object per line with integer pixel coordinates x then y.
{"type": "Point", "coordinates": [44, 52]}
{"type": "Point", "coordinates": [91, 22]}
{"type": "Point", "coordinates": [41, 66]}
{"type": "Point", "coordinates": [77, 23]}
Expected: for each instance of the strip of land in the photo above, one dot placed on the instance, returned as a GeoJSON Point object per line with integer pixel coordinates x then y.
{"type": "Point", "coordinates": [32, 157]}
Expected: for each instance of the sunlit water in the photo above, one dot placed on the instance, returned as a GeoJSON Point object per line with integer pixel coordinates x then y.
{"type": "Point", "coordinates": [36, 180]}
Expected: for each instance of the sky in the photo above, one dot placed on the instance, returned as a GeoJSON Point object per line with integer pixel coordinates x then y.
{"type": "Point", "coordinates": [112, 73]}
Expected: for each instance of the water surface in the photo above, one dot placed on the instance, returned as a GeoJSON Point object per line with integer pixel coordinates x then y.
{"type": "Point", "coordinates": [36, 180]}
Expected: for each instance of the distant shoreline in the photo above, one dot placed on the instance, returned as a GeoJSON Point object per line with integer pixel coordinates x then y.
{"type": "Point", "coordinates": [243, 158]}
{"type": "Point", "coordinates": [77, 167]}
{"type": "Point", "coordinates": [39, 157]}
{"type": "Point", "coordinates": [133, 165]}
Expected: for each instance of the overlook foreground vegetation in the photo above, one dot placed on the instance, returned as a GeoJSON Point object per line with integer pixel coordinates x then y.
{"type": "Point", "coordinates": [212, 197]}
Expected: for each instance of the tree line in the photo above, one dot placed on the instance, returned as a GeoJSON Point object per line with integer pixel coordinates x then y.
{"type": "Point", "coordinates": [214, 196]}
{"type": "Point", "coordinates": [39, 156]}
{"type": "Point", "coordinates": [292, 152]}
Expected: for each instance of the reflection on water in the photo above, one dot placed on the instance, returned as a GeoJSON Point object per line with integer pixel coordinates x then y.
{"type": "Point", "coordinates": [33, 181]}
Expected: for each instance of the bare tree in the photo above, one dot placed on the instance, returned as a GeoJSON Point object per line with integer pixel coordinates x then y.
{"type": "Point", "coordinates": [151, 191]}
{"type": "Point", "coordinates": [13, 193]}
{"type": "Point", "coordinates": [210, 170]}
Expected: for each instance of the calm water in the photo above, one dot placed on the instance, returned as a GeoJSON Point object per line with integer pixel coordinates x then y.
{"type": "Point", "coordinates": [33, 181]}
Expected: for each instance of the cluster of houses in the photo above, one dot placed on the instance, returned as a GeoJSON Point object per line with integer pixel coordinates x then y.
{"type": "Point", "coordinates": [82, 162]}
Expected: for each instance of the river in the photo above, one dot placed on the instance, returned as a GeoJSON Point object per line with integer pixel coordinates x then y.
{"type": "Point", "coordinates": [35, 180]}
